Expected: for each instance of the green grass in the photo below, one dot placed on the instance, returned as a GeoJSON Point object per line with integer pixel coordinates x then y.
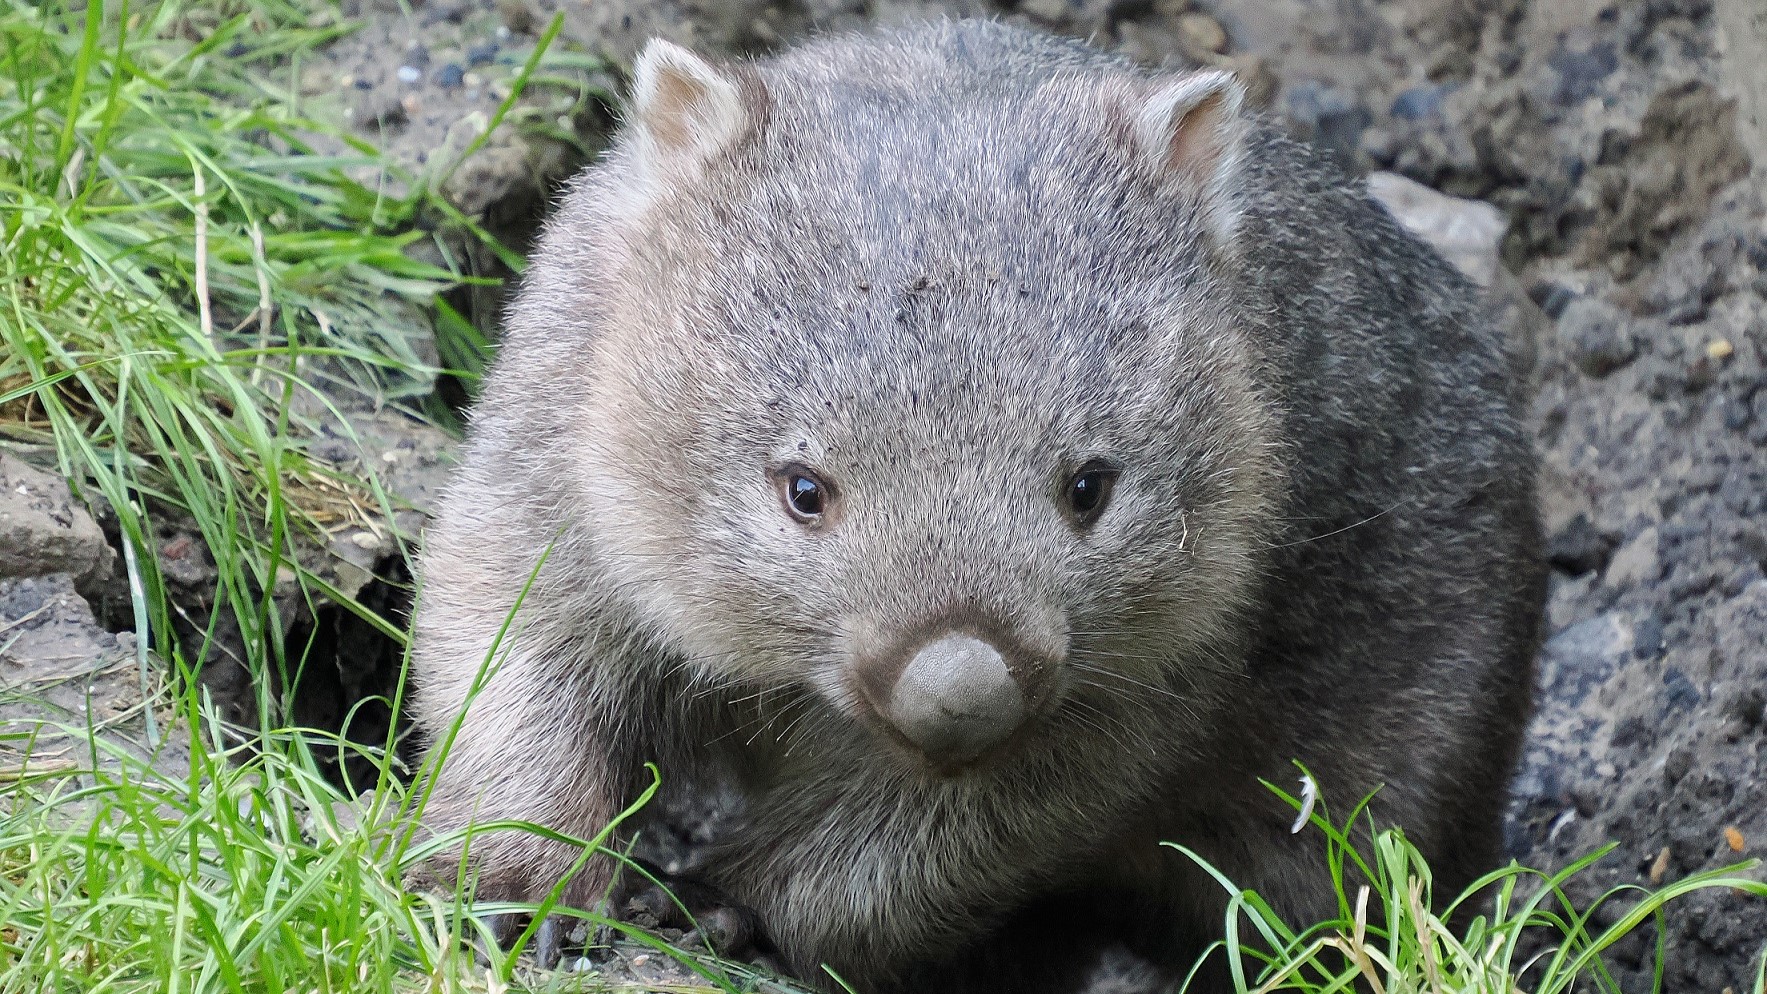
{"type": "Point", "coordinates": [186, 285]}
{"type": "Point", "coordinates": [180, 277]}
{"type": "Point", "coordinates": [250, 874]}
{"type": "Point", "coordinates": [1392, 933]}
{"type": "Point", "coordinates": [254, 874]}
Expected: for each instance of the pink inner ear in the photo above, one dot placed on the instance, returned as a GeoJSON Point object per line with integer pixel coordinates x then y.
{"type": "Point", "coordinates": [1195, 144]}
{"type": "Point", "coordinates": [667, 116]}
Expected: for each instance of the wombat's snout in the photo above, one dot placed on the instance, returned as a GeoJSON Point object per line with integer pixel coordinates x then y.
{"type": "Point", "coordinates": [955, 699]}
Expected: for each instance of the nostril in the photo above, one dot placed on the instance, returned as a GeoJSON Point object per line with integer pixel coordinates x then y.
{"type": "Point", "coordinates": [956, 699]}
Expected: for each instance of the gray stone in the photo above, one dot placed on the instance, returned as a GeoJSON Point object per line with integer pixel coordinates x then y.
{"type": "Point", "coordinates": [1466, 232]}
{"type": "Point", "coordinates": [1596, 336]}
{"type": "Point", "coordinates": [43, 530]}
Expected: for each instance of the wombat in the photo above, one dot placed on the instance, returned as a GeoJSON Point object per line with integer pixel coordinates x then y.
{"type": "Point", "coordinates": [988, 459]}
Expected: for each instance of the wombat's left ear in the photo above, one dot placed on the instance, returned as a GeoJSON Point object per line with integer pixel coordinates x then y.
{"type": "Point", "coordinates": [1192, 131]}
{"type": "Point", "coordinates": [684, 109]}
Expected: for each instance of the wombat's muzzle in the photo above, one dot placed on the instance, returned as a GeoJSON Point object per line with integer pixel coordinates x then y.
{"type": "Point", "coordinates": [955, 700]}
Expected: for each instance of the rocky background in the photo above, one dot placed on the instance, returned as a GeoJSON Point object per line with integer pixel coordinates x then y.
{"type": "Point", "coordinates": [1620, 150]}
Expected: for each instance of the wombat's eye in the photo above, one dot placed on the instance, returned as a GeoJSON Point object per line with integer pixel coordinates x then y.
{"type": "Point", "coordinates": [1090, 490]}
{"type": "Point", "coordinates": [806, 495]}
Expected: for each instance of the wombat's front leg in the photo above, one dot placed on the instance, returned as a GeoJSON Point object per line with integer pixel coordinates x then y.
{"type": "Point", "coordinates": [550, 759]}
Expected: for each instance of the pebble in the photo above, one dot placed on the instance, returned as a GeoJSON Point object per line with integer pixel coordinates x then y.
{"type": "Point", "coordinates": [1637, 564]}
{"type": "Point", "coordinates": [1580, 72]}
{"type": "Point", "coordinates": [1682, 692]}
{"type": "Point", "coordinates": [1720, 349]}
{"type": "Point", "coordinates": [1419, 102]}
{"type": "Point", "coordinates": [1552, 298]}
{"type": "Point", "coordinates": [1335, 117]}
{"type": "Point", "coordinates": [1596, 336]}
{"type": "Point", "coordinates": [1579, 547]}
{"type": "Point", "coordinates": [1580, 658]}
{"type": "Point", "coordinates": [518, 17]}
{"type": "Point", "coordinates": [1648, 638]}
{"type": "Point", "coordinates": [1052, 11]}
{"type": "Point", "coordinates": [450, 76]}
{"type": "Point", "coordinates": [410, 74]}
{"type": "Point", "coordinates": [482, 55]}
{"type": "Point", "coordinates": [1204, 31]}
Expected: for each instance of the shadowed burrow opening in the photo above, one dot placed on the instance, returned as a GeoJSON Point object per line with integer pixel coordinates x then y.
{"type": "Point", "coordinates": [350, 677]}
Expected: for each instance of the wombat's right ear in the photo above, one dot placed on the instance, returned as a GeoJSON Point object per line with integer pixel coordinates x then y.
{"type": "Point", "coordinates": [1192, 131]}
{"type": "Point", "coordinates": [684, 109]}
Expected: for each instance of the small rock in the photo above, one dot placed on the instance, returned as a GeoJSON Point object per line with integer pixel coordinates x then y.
{"type": "Point", "coordinates": [1637, 562]}
{"type": "Point", "coordinates": [1419, 102]}
{"type": "Point", "coordinates": [1580, 72]}
{"type": "Point", "coordinates": [1552, 298]}
{"type": "Point", "coordinates": [1734, 414]}
{"type": "Point", "coordinates": [482, 55]}
{"type": "Point", "coordinates": [1047, 11]}
{"type": "Point", "coordinates": [1596, 336]}
{"type": "Point", "coordinates": [1748, 706]}
{"type": "Point", "coordinates": [1579, 547]}
{"type": "Point", "coordinates": [1204, 32]}
{"type": "Point", "coordinates": [1581, 657]}
{"type": "Point", "coordinates": [450, 76]}
{"type": "Point", "coordinates": [517, 16]}
{"type": "Point", "coordinates": [383, 108]}
{"type": "Point", "coordinates": [409, 74]}
{"type": "Point", "coordinates": [1682, 692]}
{"type": "Point", "coordinates": [43, 530]}
{"type": "Point", "coordinates": [315, 80]}
{"type": "Point", "coordinates": [1720, 349]}
{"type": "Point", "coordinates": [1648, 638]}
{"type": "Point", "coordinates": [1466, 232]}
{"type": "Point", "coordinates": [1332, 118]}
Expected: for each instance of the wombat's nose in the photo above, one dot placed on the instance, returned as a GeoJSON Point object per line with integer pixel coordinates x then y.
{"type": "Point", "coordinates": [956, 699]}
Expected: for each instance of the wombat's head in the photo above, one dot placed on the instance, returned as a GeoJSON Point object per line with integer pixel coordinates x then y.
{"type": "Point", "coordinates": [919, 385]}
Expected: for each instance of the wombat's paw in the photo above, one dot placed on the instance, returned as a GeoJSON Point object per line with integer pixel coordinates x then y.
{"type": "Point", "coordinates": [707, 918]}
{"type": "Point", "coordinates": [695, 917]}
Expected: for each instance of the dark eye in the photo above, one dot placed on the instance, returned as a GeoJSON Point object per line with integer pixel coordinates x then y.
{"type": "Point", "coordinates": [806, 496]}
{"type": "Point", "coordinates": [1090, 490]}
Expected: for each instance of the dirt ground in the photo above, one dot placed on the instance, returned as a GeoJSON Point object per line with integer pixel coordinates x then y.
{"type": "Point", "coordinates": [1624, 144]}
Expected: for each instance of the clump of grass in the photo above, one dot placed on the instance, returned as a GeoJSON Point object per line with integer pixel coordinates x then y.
{"type": "Point", "coordinates": [1392, 934]}
{"type": "Point", "coordinates": [179, 275]}
{"type": "Point", "coordinates": [251, 874]}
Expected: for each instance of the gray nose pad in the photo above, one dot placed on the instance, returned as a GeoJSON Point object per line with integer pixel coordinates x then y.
{"type": "Point", "coordinates": [956, 699]}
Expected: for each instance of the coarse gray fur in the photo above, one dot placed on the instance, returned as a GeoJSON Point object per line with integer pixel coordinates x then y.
{"type": "Point", "coordinates": [934, 265]}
